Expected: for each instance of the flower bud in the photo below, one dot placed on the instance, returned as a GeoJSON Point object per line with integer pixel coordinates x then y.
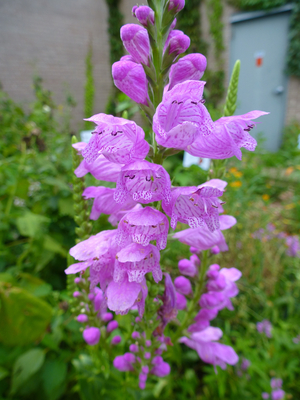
{"type": "Point", "coordinates": [194, 250]}
{"type": "Point", "coordinates": [198, 326]}
{"type": "Point", "coordinates": [177, 43]}
{"type": "Point", "coordinates": [213, 271]}
{"type": "Point", "coordinates": [136, 41]}
{"type": "Point", "coordinates": [189, 67]}
{"type": "Point", "coordinates": [148, 343]}
{"type": "Point", "coordinates": [107, 317]}
{"type": "Point", "coordinates": [217, 284]}
{"type": "Point", "coordinates": [134, 348]}
{"type": "Point", "coordinates": [180, 301]}
{"type": "Point", "coordinates": [91, 296]}
{"type": "Point", "coordinates": [212, 300]}
{"type": "Point", "coordinates": [278, 394]}
{"type": "Point", "coordinates": [135, 335]}
{"type": "Point", "coordinates": [111, 326]}
{"type": "Point", "coordinates": [208, 314]}
{"type": "Point", "coordinates": [77, 280]}
{"type": "Point", "coordinates": [147, 355]}
{"type": "Point", "coordinates": [76, 294]}
{"type": "Point", "coordinates": [130, 78]}
{"type": "Point", "coordinates": [91, 335]}
{"type": "Point", "coordinates": [186, 267]}
{"type": "Point", "coordinates": [183, 285]}
{"type": "Point", "coordinates": [116, 340]}
{"type": "Point", "coordinates": [215, 250]}
{"type": "Point", "coordinates": [144, 14]}
{"type": "Point", "coordinates": [82, 318]}
{"type": "Point", "coordinates": [160, 368]}
{"type": "Point", "coordinates": [176, 5]}
{"type": "Point", "coordinates": [145, 369]}
{"type": "Point", "coordinates": [124, 362]}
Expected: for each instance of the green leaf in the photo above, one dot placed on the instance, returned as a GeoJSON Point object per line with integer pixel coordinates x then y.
{"type": "Point", "coordinates": [25, 366]}
{"type": "Point", "coordinates": [52, 245]}
{"type": "Point", "coordinates": [34, 285]}
{"type": "Point", "coordinates": [23, 317]}
{"type": "Point", "coordinates": [3, 373]}
{"type": "Point", "coordinates": [31, 224]}
{"type": "Point", "coordinates": [65, 206]}
{"type": "Point", "coordinates": [53, 376]}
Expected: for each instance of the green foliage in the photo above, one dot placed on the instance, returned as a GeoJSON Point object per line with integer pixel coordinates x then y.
{"type": "Point", "coordinates": [214, 89]}
{"type": "Point", "coordinates": [216, 26]}
{"type": "Point", "coordinates": [293, 59]}
{"type": "Point", "coordinates": [115, 22]}
{"type": "Point", "coordinates": [89, 88]}
{"type": "Point", "coordinates": [251, 5]}
{"type": "Point", "coordinates": [231, 98]}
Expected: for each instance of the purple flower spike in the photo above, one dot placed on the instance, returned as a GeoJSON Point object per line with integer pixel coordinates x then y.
{"type": "Point", "coordinates": [196, 205]}
{"type": "Point", "coordinates": [143, 226]}
{"type": "Point", "coordinates": [131, 79]}
{"type": "Point", "coordinates": [104, 202]}
{"type": "Point", "coordinates": [144, 182]}
{"type": "Point", "coordinates": [144, 14]}
{"type": "Point", "coordinates": [190, 67]}
{"type": "Point", "coordinates": [161, 368]}
{"type": "Point", "coordinates": [181, 117]}
{"type": "Point", "coordinates": [122, 296]}
{"type": "Point", "coordinates": [118, 139]}
{"type": "Point", "coordinates": [203, 239]}
{"type": "Point", "coordinates": [135, 261]}
{"type": "Point", "coordinates": [277, 394]}
{"type": "Point", "coordinates": [91, 336]}
{"type": "Point", "coordinates": [228, 136]}
{"type": "Point", "coordinates": [183, 285]}
{"type": "Point", "coordinates": [177, 42]}
{"type": "Point", "coordinates": [124, 362]}
{"type": "Point", "coordinates": [176, 5]}
{"type": "Point", "coordinates": [136, 41]}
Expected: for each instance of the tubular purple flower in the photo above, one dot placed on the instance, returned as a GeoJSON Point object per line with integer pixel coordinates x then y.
{"type": "Point", "coordinates": [116, 340]}
{"type": "Point", "coordinates": [144, 15]}
{"type": "Point", "coordinates": [104, 202]}
{"type": "Point", "coordinates": [181, 117]}
{"type": "Point", "coordinates": [177, 43]}
{"type": "Point", "coordinates": [183, 285]}
{"type": "Point", "coordinates": [118, 139]}
{"type": "Point", "coordinates": [135, 261]}
{"type": "Point", "coordinates": [124, 362]}
{"type": "Point", "coordinates": [198, 326]}
{"type": "Point", "coordinates": [122, 296]}
{"type": "Point", "coordinates": [144, 226]}
{"type": "Point", "coordinates": [144, 182]}
{"type": "Point", "coordinates": [227, 138]}
{"type": "Point", "coordinates": [136, 41]}
{"type": "Point", "coordinates": [196, 205]}
{"type": "Point", "coordinates": [176, 5]}
{"type": "Point", "coordinates": [91, 336]}
{"type": "Point", "coordinates": [212, 300]}
{"type": "Point", "coordinates": [190, 67]}
{"type": "Point", "coordinates": [131, 79]}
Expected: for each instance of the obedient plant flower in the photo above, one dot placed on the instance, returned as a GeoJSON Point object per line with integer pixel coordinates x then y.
{"type": "Point", "coordinates": [97, 252]}
{"type": "Point", "coordinates": [122, 296]}
{"type": "Point", "coordinates": [196, 205]}
{"type": "Point", "coordinates": [135, 261]}
{"type": "Point", "coordinates": [204, 342]}
{"type": "Point", "coordinates": [91, 336]}
{"type": "Point", "coordinates": [189, 267]}
{"type": "Point", "coordinates": [131, 79]}
{"type": "Point", "coordinates": [227, 138]}
{"type": "Point", "coordinates": [177, 42]}
{"type": "Point", "coordinates": [265, 327]}
{"type": "Point", "coordinates": [144, 226]}
{"type": "Point", "coordinates": [168, 310]}
{"type": "Point", "coordinates": [176, 5]}
{"type": "Point", "coordinates": [181, 117]}
{"type": "Point", "coordinates": [203, 239]}
{"type": "Point", "coordinates": [104, 202]}
{"type": "Point", "coordinates": [189, 67]}
{"type": "Point", "coordinates": [117, 216]}
{"type": "Point", "coordinates": [101, 168]}
{"type": "Point", "coordinates": [144, 15]}
{"type": "Point", "coordinates": [144, 182]}
{"type": "Point", "coordinates": [183, 285]}
{"type": "Point", "coordinates": [161, 368]}
{"type": "Point", "coordinates": [124, 362]}
{"type": "Point", "coordinates": [118, 139]}
{"type": "Point", "coordinates": [136, 41]}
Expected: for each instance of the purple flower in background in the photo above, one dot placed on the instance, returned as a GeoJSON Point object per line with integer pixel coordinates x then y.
{"type": "Point", "coordinates": [122, 296]}
{"type": "Point", "coordinates": [203, 239]}
{"type": "Point", "coordinates": [265, 395]}
{"type": "Point", "coordinates": [136, 41]}
{"type": "Point", "coordinates": [144, 182]}
{"type": "Point", "coordinates": [116, 340]}
{"type": "Point", "coordinates": [131, 79]}
{"type": "Point", "coordinates": [144, 15]}
{"type": "Point", "coordinates": [189, 267]}
{"type": "Point", "coordinates": [161, 368]}
{"type": "Point", "coordinates": [91, 336]}
{"type": "Point", "coordinates": [293, 244]}
{"type": "Point", "coordinates": [176, 5]}
{"type": "Point", "coordinates": [265, 327]}
{"type": "Point", "coordinates": [168, 310]}
{"type": "Point", "coordinates": [204, 342]}
{"type": "Point", "coordinates": [181, 117]}
{"type": "Point", "coordinates": [276, 383]}
{"type": "Point", "coordinates": [183, 285]}
{"type": "Point", "coordinates": [144, 226]}
{"type": "Point", "coordinates": [196, 205]}
{"type": "Point", "coordinates": [277, 394]}
{"type": "Point", "coordinates": [118, 139]}
{"type": "Point", "coordinates": [104, 202]}
{"type": "Point", "coordinates": [111, 326]}
{"type": "Point", "coordinates": [227, 137]}
{"type": "Point", "coordinates": [177, 42]}
{"type": "Point", "coordinates": [101, 168]}
{"type": "Point", "coordinates": [135, 261]}
{"type": "Point", "coordinates": [245, 364]}
{"type": "Point", "coordinates": [181, 301]}
{"type": "Point", "coordinates": [189, 67]}
{"type": "Point", "coordinates": [124, 362]}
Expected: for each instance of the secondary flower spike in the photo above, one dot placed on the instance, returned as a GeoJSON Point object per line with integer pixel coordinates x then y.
{"type": "Point", "coordinates": [144, 182]}
{"type": "Point", "coordinates": [131, 79]}
{"type": "Point", "coordinates": [228, 136]}
{"type": "Point", "coordinates": [190, 67]}
{"type": "Point", "coordinates": [196, 205]}
{"type": "Point", "coordinates": [118, 139]}
{"type": "Point", "coordinates": [136, 41]}
{"type": "Point", "coordinates": [181, 117]}
{"type": "Point", "coordinates": [135, 261]}
{"type": "Point", "coordinates": [143, 226]}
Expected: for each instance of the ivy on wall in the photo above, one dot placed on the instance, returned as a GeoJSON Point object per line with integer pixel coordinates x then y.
{"type": "Point", "coordinates": [89, 88]}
